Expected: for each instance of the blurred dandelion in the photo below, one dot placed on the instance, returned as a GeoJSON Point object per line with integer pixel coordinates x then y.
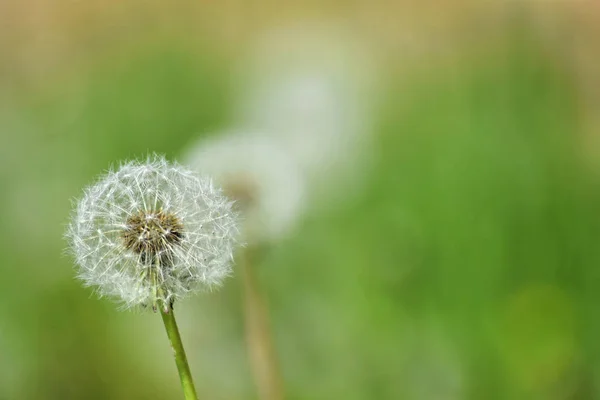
{"type": "Point", "coordinates": [269, 189]}
{"type": "Point", "coordinates": [263, 179]}
{"type": "Point", "coordinates": [150, 233]}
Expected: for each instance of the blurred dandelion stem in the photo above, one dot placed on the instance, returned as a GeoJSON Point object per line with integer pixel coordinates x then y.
{"type": "Point", "coordinates": [168, 316]}
{"type": "Point", "coordinates": [261, 350]}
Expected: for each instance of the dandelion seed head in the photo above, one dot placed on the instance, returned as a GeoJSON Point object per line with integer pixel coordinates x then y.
{"type": "Point", "coordinates": [261, 177]}
{"type": "Point", "coordinates": [151, 232]}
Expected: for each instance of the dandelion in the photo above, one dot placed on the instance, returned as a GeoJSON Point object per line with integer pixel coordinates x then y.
{"type": "Point", "coordinates": [259, 175]}
{"type": "Point", "coordinates": [269, 191]}
{"type": "Point", "coordinates": [150, 233]}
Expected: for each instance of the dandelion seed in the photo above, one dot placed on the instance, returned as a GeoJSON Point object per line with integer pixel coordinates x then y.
{"type": "Point", "coordinates": [152, 232]}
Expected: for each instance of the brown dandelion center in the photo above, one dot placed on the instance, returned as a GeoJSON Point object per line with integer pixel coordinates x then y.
{"type": "Point", "coordinates": [152, 235]}
{"type": "Point", "coordinates": [243, 191]}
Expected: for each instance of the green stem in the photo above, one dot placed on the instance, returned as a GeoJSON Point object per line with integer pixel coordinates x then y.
{"type": "Point", "coordinates": [168, 317]}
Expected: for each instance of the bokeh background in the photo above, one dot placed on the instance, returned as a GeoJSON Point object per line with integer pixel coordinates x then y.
{"type": "Point", "coordinates": [458, 258]}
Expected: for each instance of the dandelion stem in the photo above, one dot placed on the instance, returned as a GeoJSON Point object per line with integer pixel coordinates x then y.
{"type": "Point", "coordinates": [168, 316]}
{"type": "Point", "coordinates": [261, 350]}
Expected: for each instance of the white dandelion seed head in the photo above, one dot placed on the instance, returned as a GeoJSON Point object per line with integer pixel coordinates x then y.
{"type": "Point", "coordinates": [263, 179]}
{"type": "Point", "coordinates": [152, 232]}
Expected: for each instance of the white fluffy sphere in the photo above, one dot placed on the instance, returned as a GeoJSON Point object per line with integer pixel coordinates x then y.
{"type": "Point", "coordinates": [151, 232]}
{"type": "Point", "coordinates": [264, 180]}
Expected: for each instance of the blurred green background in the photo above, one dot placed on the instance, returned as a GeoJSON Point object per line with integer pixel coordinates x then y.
{"type": "Point", "coordinates": [467, 267]}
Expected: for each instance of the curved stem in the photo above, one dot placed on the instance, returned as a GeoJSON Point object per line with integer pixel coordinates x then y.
{"type": "Point", "coordinates": [168, 317]}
